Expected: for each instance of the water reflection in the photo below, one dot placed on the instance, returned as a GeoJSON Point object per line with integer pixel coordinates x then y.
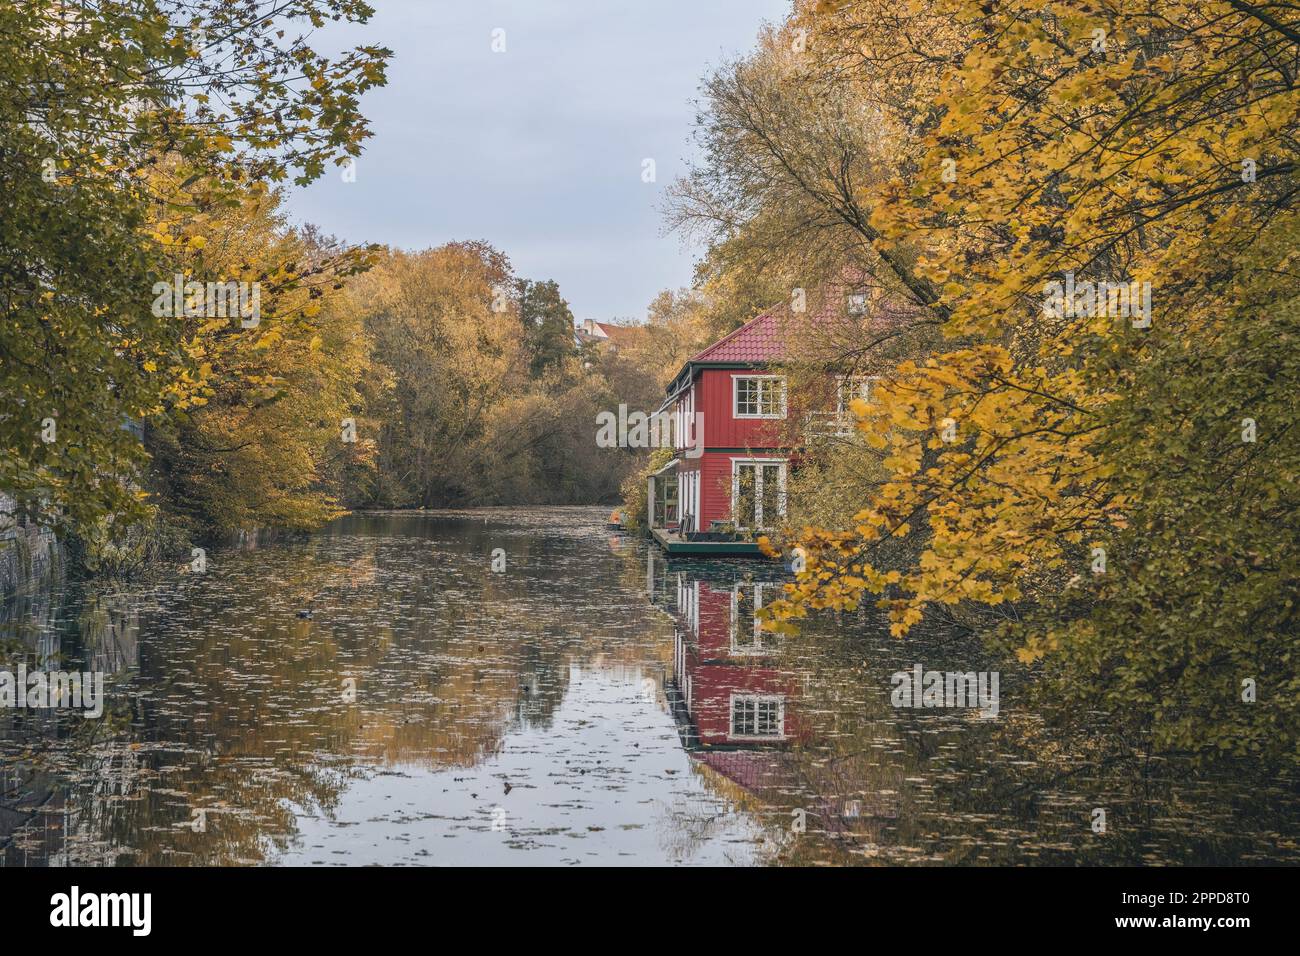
{"type": "Point", "coordinates": [802, 732]}
{"type": "Point", "coordinates": [429, 710]}
{"type": "Point", "coordinates": [745, 713]}
{"type": "Point", "coordinates": [594, 702]}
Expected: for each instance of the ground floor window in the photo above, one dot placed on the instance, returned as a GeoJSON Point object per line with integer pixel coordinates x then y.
{"type": "Point", "coordinates": [757, 492]}
{"type": "Point", "coordinates": [665, 501]}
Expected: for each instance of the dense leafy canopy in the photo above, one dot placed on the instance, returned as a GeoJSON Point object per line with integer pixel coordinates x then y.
{"type": "Point", "coordinates": [1116, 485]}
{"type": "Point", "coordinates": [117, 117]}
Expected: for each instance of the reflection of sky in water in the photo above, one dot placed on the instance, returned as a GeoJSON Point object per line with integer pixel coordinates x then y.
{"type": "Point", "coordinates": [608, 781]}
{"type": "Point", "coordinates": [229, 740]}
{"type": "Point", "coordinates": [231, 711]}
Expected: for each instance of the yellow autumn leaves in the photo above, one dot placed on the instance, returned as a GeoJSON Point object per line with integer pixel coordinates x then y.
{"type": "Point", "coordinates": [1076, 139]}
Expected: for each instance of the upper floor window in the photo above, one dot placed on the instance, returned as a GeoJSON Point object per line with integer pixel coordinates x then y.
{"type": "Point", "coordinates": [852, 387]}
{"type": "Point", "coordinates": [759, 396]}
{"type": "Point", "coordinates": [857, 303]}
{"type": "Point", "coordinates": [686, 430]}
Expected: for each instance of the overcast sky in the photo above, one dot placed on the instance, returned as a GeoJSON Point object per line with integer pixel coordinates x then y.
{"type": "Point", "coordinates": [538, 149]}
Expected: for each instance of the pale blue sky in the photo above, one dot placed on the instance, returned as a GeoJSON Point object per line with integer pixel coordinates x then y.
{"type": "Point", "coordinates": [539, 149]}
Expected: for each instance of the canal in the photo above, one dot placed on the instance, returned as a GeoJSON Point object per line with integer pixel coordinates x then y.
{"type": "Point", "coordinates": [519, 686]}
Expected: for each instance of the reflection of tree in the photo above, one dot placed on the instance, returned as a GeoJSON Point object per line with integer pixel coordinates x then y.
{"type": "Point", "coordinates": [693, 821]}
{"type": "Point", "coordinates": [878, 784]}
{"type": "Point", "coordinates": [235, 706]}
{"type": "Point", "coordinates": [36, 631]}
{"type": "Point", "coordinates": [948, 787]}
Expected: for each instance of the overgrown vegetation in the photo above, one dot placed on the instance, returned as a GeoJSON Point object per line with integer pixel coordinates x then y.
{"type": "Point", "coordinates": [967, 156]}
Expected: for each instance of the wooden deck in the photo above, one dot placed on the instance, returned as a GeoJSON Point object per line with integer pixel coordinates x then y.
{"type": "Point", "coordinates": [674, 543]}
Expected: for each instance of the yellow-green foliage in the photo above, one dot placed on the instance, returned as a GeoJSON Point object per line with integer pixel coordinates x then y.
{"type": "Point", "coordinates": [81, 349]}
{"type": "Point", "coordinates": [1010, 146]}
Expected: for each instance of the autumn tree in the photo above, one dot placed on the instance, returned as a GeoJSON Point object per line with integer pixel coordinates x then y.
{"type": "Point", "coordinates": [1093, 204]}
{"type": "Point", "coordinates": [264, 425]}
{"type": "Point", "coordinates": [471, 405]}
{"type": "Point", "coordinates": [451, 357]}
{"type": "Point", "coordinates": [94, 97]}
{"type": "Point", "coordinates": [547, 322]}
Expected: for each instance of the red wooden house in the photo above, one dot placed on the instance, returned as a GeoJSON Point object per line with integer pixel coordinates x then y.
{"type": "Point", "coordinates": [736, 437]}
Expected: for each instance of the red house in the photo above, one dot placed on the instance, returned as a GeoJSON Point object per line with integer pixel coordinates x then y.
{"type": "Point", "coordinates": [735, 434]}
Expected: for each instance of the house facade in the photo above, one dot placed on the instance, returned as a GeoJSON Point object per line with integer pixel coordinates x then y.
{"type": "Point", "coordinates": [736, 438]}
{"type": "Point", "coordinates": [732, 457]}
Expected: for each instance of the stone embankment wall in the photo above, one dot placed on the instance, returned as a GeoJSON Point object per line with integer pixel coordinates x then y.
{"type": "Point", "coordinates": [29, 555]}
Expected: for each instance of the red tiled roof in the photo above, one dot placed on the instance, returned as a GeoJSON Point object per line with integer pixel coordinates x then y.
{"type": "Point", "coordinates": [766, 337]}
{"type": "Point", "coordinates": [608, 334]}
{"type": "Point", "coordinates": [761, 339]}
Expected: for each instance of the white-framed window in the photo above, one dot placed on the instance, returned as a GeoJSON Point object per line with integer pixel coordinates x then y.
{"type": "Point", "coordinates": [849, 387]}
{"type": "Point", "coordinates": [757, 491]}
{"type": "Point", "coordinates": [664, 504]}
{"type": "Point", "coordinates": [757, 717]}
{"type": "Point", "coordinates": [690, 500]}
{"type": "Point", "coordinates": [696, 491]}
{"type": "Point", "coordinates": [684, 419]}
{"type": "Point", "coordinates": [857, 302]}
{"type": "Point", "coordinates": [747, 634]}
{"type": "Point", "coordinates": [758, 396]}
{"type": "Point", "coordinates": [688, 600]}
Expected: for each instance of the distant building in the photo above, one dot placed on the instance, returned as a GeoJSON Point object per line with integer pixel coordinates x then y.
{"type": "Point", "coordinates": [590, 332]}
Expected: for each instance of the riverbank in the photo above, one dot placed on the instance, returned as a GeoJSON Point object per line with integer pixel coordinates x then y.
{"type": "Point", "coordinates": [30, 556]}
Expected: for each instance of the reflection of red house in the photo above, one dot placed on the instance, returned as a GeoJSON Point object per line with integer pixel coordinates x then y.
{"type": "Point", "coordinates": [757, 771]}
{"type": "Point", "coordinates": [738, 705]}
{"type": "Point", "coordinates": [725, 668]}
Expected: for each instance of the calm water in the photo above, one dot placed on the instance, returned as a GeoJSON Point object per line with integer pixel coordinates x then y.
{"type": "Point", "coordinates": [591, 703]}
